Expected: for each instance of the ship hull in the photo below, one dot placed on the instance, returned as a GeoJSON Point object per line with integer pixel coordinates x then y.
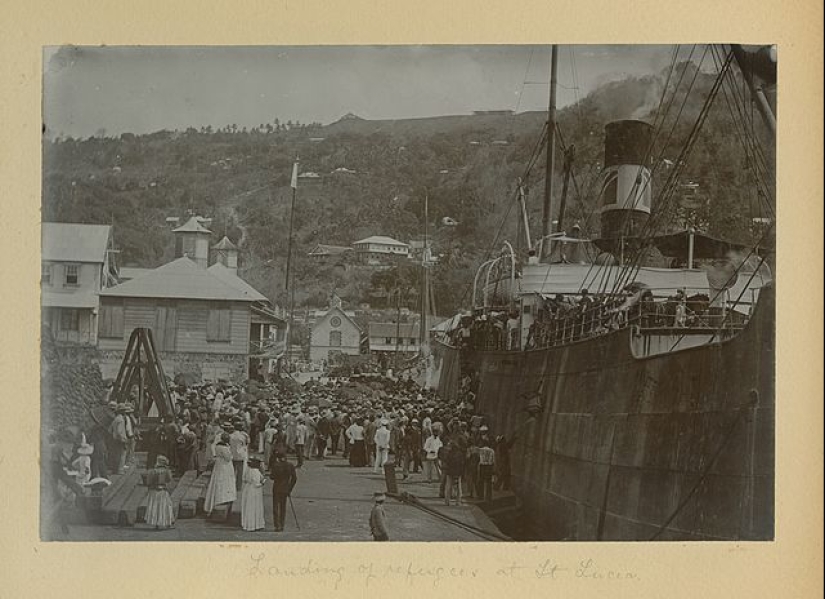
{"type": "Point", "coordinates": [614, 447]}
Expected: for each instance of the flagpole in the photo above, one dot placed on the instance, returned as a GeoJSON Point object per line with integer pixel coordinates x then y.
{"type": "Point", "coordinates": [289, 287]}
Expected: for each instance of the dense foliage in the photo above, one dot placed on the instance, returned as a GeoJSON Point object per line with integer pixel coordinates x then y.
{"type": "Point", "coordinates": [373, 177]}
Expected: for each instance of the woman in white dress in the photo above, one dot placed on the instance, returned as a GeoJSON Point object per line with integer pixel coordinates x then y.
{"type": "Point", "coordinates": [252, 498]}
{"type": "Point", "coordinates": [221, 487]}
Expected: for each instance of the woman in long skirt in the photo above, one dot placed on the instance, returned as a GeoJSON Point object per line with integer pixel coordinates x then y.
{"type": "Point", "coordinates": [159, 510]}
{"type": "Point", "coordinates": [357, 452]}
{"type": "Point", "coordinates": [252, 498]}
{"type": "Point", "coordinates": [221, 487]}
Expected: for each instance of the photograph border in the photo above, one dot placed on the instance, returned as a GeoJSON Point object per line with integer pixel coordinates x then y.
{"type": "Point", "coordinates": [790, 565]}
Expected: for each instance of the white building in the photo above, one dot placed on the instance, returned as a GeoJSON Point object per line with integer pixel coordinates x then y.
{"type": "Point", "coordinates": [378, 249]}
{"type": "Point", "coordinates": [334, 333]}
{"type": "Point", "coordinates": [74, 269]}
{"type": "Point", "coordinates": [391, 337]}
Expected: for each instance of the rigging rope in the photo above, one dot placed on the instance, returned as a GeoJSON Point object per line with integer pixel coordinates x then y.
{"type": "Point", "coordinates": [668, 192]}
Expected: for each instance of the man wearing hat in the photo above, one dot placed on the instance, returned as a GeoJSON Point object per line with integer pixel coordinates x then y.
{"type": "Point", "coordinates": [283, 477]}
{"type": "Point", "coordinates": [378, 518]}
{"type": "Point", "coordinates": [382, 445]}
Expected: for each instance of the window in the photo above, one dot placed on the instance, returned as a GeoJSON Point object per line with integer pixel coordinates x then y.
{"type": "Point", "coordinates": [46, 273]}
{"type": "Point", "coordinates": [72, 275]}
{"type": "Point", "coordinates": [335, 338]}
{"type": "Point", "coordinates": [388, 340]}
{"type": "Point", "coordinates": [412, 340]}
{"type": "Point", "coordinates": [165, 331]}
{"type": "Point", "coordinates": [110, 323]}
{"type": "Point", "coordinates": [218, 323]}
{"type": "Point", "coordinates": [69, 320]}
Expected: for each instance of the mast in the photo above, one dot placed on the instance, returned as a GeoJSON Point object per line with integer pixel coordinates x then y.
{"type": "Point", "coordinates": [424, 345]}
{"type": "Point", "coordinates": [289, 291]}
{"type": "Point", "coordinates": [749, 65]}
{"type": "Point", "coordinates": [425, 291]}
{"type": "Point", "coordinates": [546, 222]}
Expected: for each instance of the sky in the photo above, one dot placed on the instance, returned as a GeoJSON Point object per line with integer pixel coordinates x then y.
{"type": "Point", "coordinates": [141, 89]}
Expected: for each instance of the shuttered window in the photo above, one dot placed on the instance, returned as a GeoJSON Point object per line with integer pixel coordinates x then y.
{"type": "Point", "coordinates": [335, 338]}
{"type": "Point", "coordinates": [110, 322]}
{"type": "Point", "coordinates": [218, 323]}
{"type": "Point", "coordinates": [69, 319]}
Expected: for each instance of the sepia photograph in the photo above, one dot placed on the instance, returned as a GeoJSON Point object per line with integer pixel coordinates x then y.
{"type": "Point", "coordinates": [482, 293]}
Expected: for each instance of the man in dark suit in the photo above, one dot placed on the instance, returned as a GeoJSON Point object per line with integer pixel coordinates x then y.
{"type": "Point", "coordinates": [283, 478]}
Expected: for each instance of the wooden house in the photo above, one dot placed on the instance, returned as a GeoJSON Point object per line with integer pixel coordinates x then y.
{"type": "Point", "coordinates": [206, 322]}
{"type": "Point", "coordinates": [74, 268]}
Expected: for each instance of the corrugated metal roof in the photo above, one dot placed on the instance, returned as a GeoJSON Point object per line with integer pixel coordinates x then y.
{"type": "Point", "coordinates": [183, 279]}
{"type": "Point", "coordinates": [70, 242]}
{"type": "Point", "coordinates": [228, 276]}
{"type": "Point", "coordinates": [381, 239]}
{"type": "Point", "coordinates": [192, 226]}
{"type": "Point", "coordinates": [79, 299]}
{"type": "Point", "coordinates": [133, 272]}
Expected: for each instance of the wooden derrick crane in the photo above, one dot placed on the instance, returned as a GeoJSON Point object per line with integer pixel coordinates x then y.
{"type": "Point", "coordinates": [142, 368]}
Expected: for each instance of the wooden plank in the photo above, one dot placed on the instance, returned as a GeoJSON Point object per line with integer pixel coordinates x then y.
{"type": "Point", "coordinates": [189, 502]}
{"type": "Point", "coordinates": [118, 480]}
{"type": "Point", "coordinates": [128, 511]}
{"type": "Point", "coordinates": [113, 504]}
{"type": "Point", "coordinates": [180, 490]}
{"type": "Point", "coordinates": [140, 513]}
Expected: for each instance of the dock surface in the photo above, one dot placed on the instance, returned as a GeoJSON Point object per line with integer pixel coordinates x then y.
{"type": "Point", "coordinates": [332, 502]}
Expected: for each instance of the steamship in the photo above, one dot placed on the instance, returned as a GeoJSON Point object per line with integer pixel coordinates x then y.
{"type": "Point", "coordinates": [633, 373]}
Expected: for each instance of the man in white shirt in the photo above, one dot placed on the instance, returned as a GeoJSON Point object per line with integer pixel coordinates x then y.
{"type": "Point", "coordinates": [431, 447]}
{"type": "Point", "coordinates": [217, 402]}
{"type": "Point", "coordinates": [382, 445]}
{"type": "Point", "coordinates": [300, 440]}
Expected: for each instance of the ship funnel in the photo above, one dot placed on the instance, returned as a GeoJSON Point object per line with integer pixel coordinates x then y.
{"type": "Point", "coordinates": [626, 189]}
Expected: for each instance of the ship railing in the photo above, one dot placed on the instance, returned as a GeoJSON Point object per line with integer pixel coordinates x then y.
{"type": "Point", "coordinates": [603, 319]}
{"type": "Point", "coordinates": [572, 323]}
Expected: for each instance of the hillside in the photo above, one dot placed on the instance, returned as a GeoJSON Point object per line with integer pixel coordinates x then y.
{"type": "Point", "coordinates": [373, 178]}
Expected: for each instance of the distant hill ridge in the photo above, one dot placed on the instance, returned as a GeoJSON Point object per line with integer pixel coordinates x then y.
{"type": "Point", "coordinates": [374, 175]}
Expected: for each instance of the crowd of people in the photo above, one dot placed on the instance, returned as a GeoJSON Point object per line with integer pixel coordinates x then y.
{"type": "Point", "coordinates": [567, 318]}
{"type": "Point", "coordinates": [246, 434]}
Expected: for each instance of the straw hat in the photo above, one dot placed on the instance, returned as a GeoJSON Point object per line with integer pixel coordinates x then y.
{"type": "Point", "coordinates": [379, 496]}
